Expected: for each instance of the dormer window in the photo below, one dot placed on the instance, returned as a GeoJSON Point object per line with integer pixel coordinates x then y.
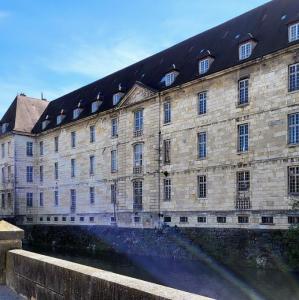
{"type": "Point", "coordinates": [59, 119]}
{"type": "Point", "coordinates": [95, 106]}
{"type": "Point", "coordinates": [294, 32]}
{"type": "Point", "coordinates": [204, 65]}
{"type": "Point", "coordinates": [4, 127]}
{"type": "Point", "coordinates": [45, 123]}
{"type": "Point", "coordinates": [245, 50]}
{"type": "Point", "coordinates": [170, 78]}
{"type": "Point", "coordinates": [117, 97]}
{"type": "Point", "coordinates": [77, 112]}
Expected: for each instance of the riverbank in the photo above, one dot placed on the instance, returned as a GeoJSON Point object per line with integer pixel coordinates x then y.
{"type": "Point", "coordinates": [251, 248]}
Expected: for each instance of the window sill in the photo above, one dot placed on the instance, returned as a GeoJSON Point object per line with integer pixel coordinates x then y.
{"type": "Point", "coordinates": [166, 124]}
{"type": "Point", "coordinates": [242, 152]}
{"type": "Point", "coordinates": [201, 159]}
{"type": "Point", "coordinates": [268, 224]}
{"type": "Point", "coordinates": [114, 137]}
{"type": "Point", "coordinates": [293, 92]}
{"type": "Point", "coordinates": [201, 114]}
{"type": "Point", "coordinates": [293, 145]}
{"type": "Point", "coordinates": [202, 199]}
{"type": "Point", "coordinates": [242, 105]}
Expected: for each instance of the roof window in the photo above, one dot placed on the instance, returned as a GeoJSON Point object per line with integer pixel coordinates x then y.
{"type": "Point", "coordinates": [4, 127]}
{"type": "Point", "coordinates": [294, 32]}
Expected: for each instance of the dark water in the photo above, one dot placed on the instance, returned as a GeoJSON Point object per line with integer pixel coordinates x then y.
{"type": "Point", "coordinates": [204, 278]}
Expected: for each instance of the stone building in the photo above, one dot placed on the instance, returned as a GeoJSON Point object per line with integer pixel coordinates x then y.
{"type": "Point", "coordinates": [203, 134]}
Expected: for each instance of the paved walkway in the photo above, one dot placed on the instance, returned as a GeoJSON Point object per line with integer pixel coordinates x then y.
{"type": "Point", "coordinates": [7, 294]}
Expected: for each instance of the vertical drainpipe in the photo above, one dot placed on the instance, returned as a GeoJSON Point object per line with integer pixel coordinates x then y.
{"type": "Point", "coordinates": [159, 165]}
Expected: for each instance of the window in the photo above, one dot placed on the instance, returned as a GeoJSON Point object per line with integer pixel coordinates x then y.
{"type": "Point", "coordinates": [184, 219]}
{"type": "Point", "coordinates": [4, 127]}
{"type": "Point", "coordinates": [114, 129]}
{"type": "Point", "coordinates": [56, 171]}
{"type": "Point", "coordinates": [113, 193]}
{"type": "Point", "coordinates": [113, 161]}
{"type": "Point", "coordinates": [45, 123]}
{"type": "Point", "coordinates": [72, 219]}
{"type": "Point", "coordinates": [202, 186]}
{"type": "Point", "coordinates": [56, 144]}
{"type": "Point", "coordinates": [267, 220]}
{"type": "Point", "coordinates": [48, 219]}
{"type": "Point", "coordinates": [91, 165]}
{"type": "Point", "coordinates": [245, 50]}
{"type": "Point", "coordinates": [202, 103]}
{"type": "Point", "coordinates": [243, 181]}
{"type": "Point", "coordinates": [293, 180]}
{"type": "Point", "coordinates": [9, 174]}
{"type": "Point", "coordinates": [41, 219]}
{"type": "Point", "coordinates": [9, 198]}
{"type": "Point", "coordinates": [59, 119]}
{"type": "Point", "coordinates": [117, 97]}
{"type": "Point", "coordinates": [41, 173]}
{"type": "Point", "coordinates": [73, 200]}
{"type": "Point", "coordinates": [293, 220]}
{"type": "Point", "coordinates": [8, 148]}
{"type": "Point", "coordinates": [95, 106]}
{"type": "Point", "coordinates": [41, 199]}
{"type": "Point", "coordinates": [243, 91]}
{"type": "Point", "coordinates": [56, 198]}
{"type": "Point", "coordinates": [76, 113]}
{"type": "Point", "coordinates": [167, 219]}
{"type": "Point", "coordinates": [29, 149]}
{"type": "Point", "coordinates": [243, 138]}
{"type": "Point", "coordinates": [73, 167]}
{"type": "Point", "coordinates": [138, 122]}
{"type": "Point", "coordinates": [55, 219]}
{"type": "Point", "coordinates": [202, 146]}
{"type": "Point", "coordinates": [170, 78]}
{"type": "Point", "coordinates": [202, 219]}
{"type": "Point", "coordinates": [167, 112]}
{"type": "Point", "coordinates": [137, 194]}
{"type": "Point", "coordinates": [294, 32]}
{"type": "Point", "coordinates": [167, 189]}
{"type": "Point", "coordinates": [136, 219]}
{"type": "Point", "coordinates": [64, 219]}
{"type": "Point", "coordinates": [41, 148]}
{"type": "Point", "coordinates": [112, 219]}
{"type": "Point", "coordinates": [221, 219]}
{"type": "Point", "coordinates": [167, 145]}
{"type": "Point", "coordinates": [29, 199]}
{"type": "Point", "coordinates": [138, 157]}
{"type": "Point", "coordinates": [81, 219]}
{"type": "Point", "coordinates": [73, 139]}
{"type": "Point", "coordinates": [3, 201]}
{"type": "Point", "coordinates": [2, 150]}
{"type": "Point", "coordinates": [3, 174]}
{"type": "Point", "coordinates": [204, 66]}
{"type": "Point", "coordinates": [92, 134]}
{"type": "Point", "coordinates": [243, 219]}
{"type": "Point", "coordinates": [293, 129]}
{"type": "Point", "coordinates": [29, 219]}
{"type": "Point", "coordinates": [91, 195]}
{"type": "Point", "coordinates": [294, 77]}
{"type": "Point", "coordinates": [29, 173]}
{"type": "Point", "coordinates": [91, 219]}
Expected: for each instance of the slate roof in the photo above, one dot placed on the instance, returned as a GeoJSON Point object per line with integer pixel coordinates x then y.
{"type": "Point", "coordinates": [267, 25]}
{"type": "Point", "coordinates": [24, 113]}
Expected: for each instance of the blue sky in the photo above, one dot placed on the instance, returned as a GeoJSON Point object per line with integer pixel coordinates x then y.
{"type": "Point", "coordinates": [57, 46]}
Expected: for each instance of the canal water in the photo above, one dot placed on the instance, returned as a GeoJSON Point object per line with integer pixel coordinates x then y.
{"type": "Point", "coordinates": [205, 278]}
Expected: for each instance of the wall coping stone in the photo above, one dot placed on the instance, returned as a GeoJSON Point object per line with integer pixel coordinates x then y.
{"type": "Point", "coordinates": [10, 232]}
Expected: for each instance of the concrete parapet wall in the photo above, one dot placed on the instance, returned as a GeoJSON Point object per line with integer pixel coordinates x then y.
{"type": "Point", "coordinates": [41, 277]}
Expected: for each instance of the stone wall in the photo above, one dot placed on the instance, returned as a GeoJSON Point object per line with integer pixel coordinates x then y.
{"type": "Point", "coordinates": [40, 277]}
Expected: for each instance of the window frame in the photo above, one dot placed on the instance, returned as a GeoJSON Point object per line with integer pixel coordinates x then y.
{"type": "Point", "coordinates": [92, 134]}
{"type": "Point", "coordinates": [291, 26]}
{"type": "Point", "coordinates": [245, 50]}
{"type": "Point", "coordinates": [203, 66]}
{"type": "Point", "coordinates": [202, 145]}
{"type": "Point", "coordinates": [114, 127]}
{"type": "Point", "coordinates": [295, 87]}
{"type": "Point", "coordinates": [202, 103]}
{"type": "Point", "coordinates": [167, 189]}
{"type": "Point", "coordinates": [293, 182]}
{"type": "Point", "coordinates": [114, 167]}
{"type": "Point", "coordinates": [243, 91]}
{"type": "Point", "coordinates": [202, 186]}
{"type": "Point", "coordinates": [29, 149]}
{"type": "Point", "coordinates": [166, 112]}
{"type": "Point", "coordinates": [243, 138]}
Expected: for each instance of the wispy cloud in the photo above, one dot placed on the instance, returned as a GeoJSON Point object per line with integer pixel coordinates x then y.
{"type": "Point", "coordinates": [4, 14]}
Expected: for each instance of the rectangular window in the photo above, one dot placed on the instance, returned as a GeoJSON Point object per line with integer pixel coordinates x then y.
{"type": "Point", "coordinates": [204, 66]}
{"type": "Point", "coordinates": [3, 174]}
{"type": "Point", "coordinates": [73, 167]}
{"type": "Point", "coordinates": [29, 149]}
{"type": "Point", "coordinates": [293, 173]}
{"type": "Point", "coordinates": [9, 198]}
{"type": "Point", "coordinates": [202, 145]}
{"type": "Point", "coordinates": [64, 219]}
{"type": "Point", "coordinates": [81, 219]}
{"type": "Point", "coordinates": [29, 173]}
{"type": "Point", "coordinates": [55, 219]}
{"type": "Point", "coordinates": [113, 193]}
{"type": "Point", "coordinates": [138, 122]}
{"type": "Point", "coordinates": [243, 137]}
{"type": "Point", "coordinates": [41, 148]}
{"type": "Point", "coordinates": [202, 186]}
{"type": "Point", "coordinates": [91, 165]}
{"type": "Point", "coordinates": [73, 139]}
{"type": "Point", "coordinates": [138, 155]}
{"type": "Point", "coordinates": [91, 219]}
{"type": "Point", "coordinates": [167, 189]}
{"type": "Point", "coordinates": [8, 148]}
{"type": "Point", "coordinates": [9, 174]}
{"type": "Point", "coordinates": [293, 220]}
{"type": "Point", "coordinates": [294, 77]}
{"type": "Point", "coordinates": [114, 128]}
{"type": "Point", "coordinates": [293, 129]}
{"type": "Point", "coordinates": [167, 112]}
{"type": "Point", "coordinates": [56, 198]}
{"type": "Point", "coordinates": [56, 171]}
{"type": "Point", "coordinates": [221, 219]}
{"type": "Point", "coordinates": [92, 134]}
{"type": "Point", "coordinates": [29, 199]}
{"type": "Point", "coordinates": [3, 150]}
{"type": "Point", "coordinates": [167, 219]}
{"type": "Point", "coordinates": [167, 147]}
{"type": "Point", "coordinates": [245, 50]}
{"type": "Point", "coordinates": [267, 220]}
{"type": "Point", "coordinates": [202, 103]}
{"type": "Point", "coordinates": [56, 144]}
{"type": "Point", "coordinates": [294, 32]}
{"type": "Point", "coordinates": [243, 91]}
{"type": "Point", "coordinates": [3, 201]}
{"type": "Point", "coordinates": [73, 200]}
{"type": "Point", "coordinates": [243, 219]}
{"type": "Point", "coordinates": [184, 219]}
{"type": "Point", "coordinates": [202, 219]}
{"type": "Point", "coordinates": [72, 219]}
{"type": "Point", "coordinates": [41, 173]}
{"type": "Point", "coordinates": [170, 78]}
{"type": "Point", "coordinates": [41, 199]}
{"type": "Point", "coordinates": [243, 181]}
{"type": "Point", "coordinates": [137, 195]}
{"type": "Point", "coordinates": [136, 219]}
{"type": "Point", "coordinates": [91, 195]}
{"type": "Point", "coordinates": [113, 161]}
